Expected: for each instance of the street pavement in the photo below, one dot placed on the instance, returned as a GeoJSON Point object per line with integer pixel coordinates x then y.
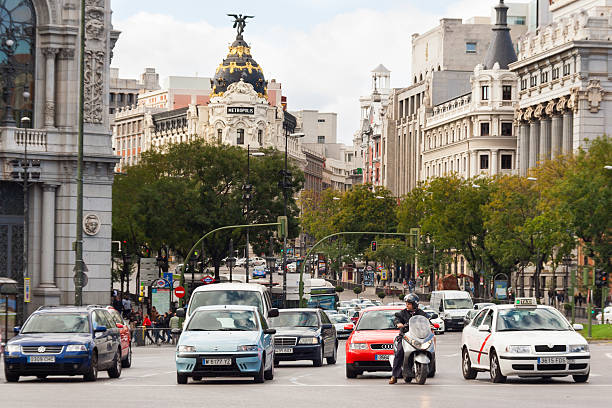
{"type": "Point", "coordinates": [151, 382]}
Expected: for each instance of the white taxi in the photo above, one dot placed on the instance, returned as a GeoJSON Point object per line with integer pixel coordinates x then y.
{"type": "Point", "coordinates": [524, 339]}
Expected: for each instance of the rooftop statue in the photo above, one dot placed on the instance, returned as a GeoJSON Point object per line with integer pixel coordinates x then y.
{"type": "Point", "coordinates": [240, 23]}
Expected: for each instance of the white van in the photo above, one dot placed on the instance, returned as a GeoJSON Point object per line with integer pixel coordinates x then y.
{"type": "Point", "coordinates": [246, 294]}
{"type": "Point", "coordinates": [453, 306]}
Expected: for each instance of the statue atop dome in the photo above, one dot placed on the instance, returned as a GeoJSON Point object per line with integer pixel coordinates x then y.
{"type": "Point", "coordinates": [239, 23]}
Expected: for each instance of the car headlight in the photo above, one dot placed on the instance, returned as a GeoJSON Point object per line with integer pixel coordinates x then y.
{"type": "Point", "coordinates": [309, 340]}
{"type": "Point", "coordinates": [248, 347]}
{"type": "Point", "coordinates": [518, 349]}
{"type": "Point", "coordinates": [76, 347]}
{"type": "Point", "coordinates": [13, 348]}
{"type": "Point", "coordinates": [358, 346]}
{"type": "Point", "coordinates": [426, 345]}
{"type": "Point", "coordinates": [578, 348]}
{"type": "Point", "coordinates": [186, 349]}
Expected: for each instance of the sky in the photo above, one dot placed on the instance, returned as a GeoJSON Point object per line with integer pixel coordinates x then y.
{"type": "Point", "coordinates": [322, 51]}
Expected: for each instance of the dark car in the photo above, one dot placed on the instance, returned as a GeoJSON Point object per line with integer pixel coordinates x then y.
{"type": "Point", "coordinates": [304, 334]}
{"type": "Point", "coordinates": [64, 340]}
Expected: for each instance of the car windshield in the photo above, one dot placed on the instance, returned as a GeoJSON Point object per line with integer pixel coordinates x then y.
{"type": "Point", "coordinates": [339, 319]}
{"type": "Point", "coordinates": [295, 319]}
{"type": "Point", "coordinates": [516, 319]}
{"type": "Point", "coordinates": [57, 323]}
{"type": "Point", "coordinates": [460, 303]}
{"type": "Point", "coordinates": [226, 297]}
{"type": "Point", "coordinates": [223, 320]}
{"type": "Point", "coordinates": [377, 320]}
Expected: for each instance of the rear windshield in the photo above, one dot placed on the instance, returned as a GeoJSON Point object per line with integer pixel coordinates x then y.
{"type": "Point", "coordinates": [226, 297]}
{"type": "Point", "coordinates": [377, 320]}
{"type": "Point", "coordinates": [57, 323]}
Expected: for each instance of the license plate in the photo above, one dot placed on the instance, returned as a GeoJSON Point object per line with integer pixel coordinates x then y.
{"type": "Point", "coordinates": [552, 360]}
{"type": "Point", "coordinates": [41, 359]}
{"type": "Point", "coordinates": [216, 361]}
{"type": "Point", "coordinates": [382, 357]}
{"type": "Point", "coordinates": [284, 350]}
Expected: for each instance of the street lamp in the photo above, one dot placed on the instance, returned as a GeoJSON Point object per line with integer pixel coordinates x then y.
{"type": "Point", "coordinates": [231, 260]}
{"type": "Point", "coordinates": [247, 196]}
{"type": "Point", "coordinates": [7, 47]}
{"type": "Point", "coordinates": [271, 262]}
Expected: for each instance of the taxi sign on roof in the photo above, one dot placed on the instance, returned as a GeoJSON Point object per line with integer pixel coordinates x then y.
{"type": "Point", "coordinates": [525, 302]}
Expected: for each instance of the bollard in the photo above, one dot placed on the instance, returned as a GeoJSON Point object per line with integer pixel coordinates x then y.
{"type": "Point", "coordinates": [139, 336]}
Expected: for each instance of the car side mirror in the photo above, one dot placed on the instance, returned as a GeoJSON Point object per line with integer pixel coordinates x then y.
{"type": "Point", "coordinates": [578, 326]}
{"type": "Point", "coordinates": [434, 316]}
{"type": "Point", "coordinates": [327, 326]}
{"type": "Point", "coordinates": [273, 312]}
{"type": "Point", "coordinates": [270, 331]}
{"type": "Point", "coordinates": [119, 325]}
{"type": "Point", "coordinates": [180, 312]}
{"type": "Point", "coordinates": [16, 329]}
{"type": "Point", "coordinates": [348, 327]}
{"type": "Point", "coordinates": [484, 328]}
{"type": "Point", "coordinates": [100, 329]}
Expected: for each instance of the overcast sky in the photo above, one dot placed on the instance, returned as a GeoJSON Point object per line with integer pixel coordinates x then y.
{"type": "Point", "coordinates": [322, 51]}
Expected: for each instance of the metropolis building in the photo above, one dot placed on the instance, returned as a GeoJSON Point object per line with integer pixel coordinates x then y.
{"type": "Point", "coordinates": [39, 56]}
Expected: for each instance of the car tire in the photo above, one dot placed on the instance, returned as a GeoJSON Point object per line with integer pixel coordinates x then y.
{"type": "Point", "coordinates": [466, 366]}
{"type": "Point", "coordinates": [318, 362]}
{"type": "Point", "coordinates": [10, 377]}
{"type": "Point", "coordinates": [276, 363]}
{"type": "Point", "coordinates": [127, 361]}
{"type": "Point", "coordinates": [334, 356]}
{"type": "Point", "coordinates": [269, 374]}
{"type": "Point", "coordinates": [581, 378]}
{"type": "Point", "coordinates": [115, 370]}
{"type": "Point", "coordinates": [350, 371]}
{"type": "Point", "coordinates": [495, 369]}
{"type": "Point", "coordinates": [260, 376]}
{"type": "Point", "coordinates": [92, 373]}
{"type": "Point", "coordinates": [181, 378]}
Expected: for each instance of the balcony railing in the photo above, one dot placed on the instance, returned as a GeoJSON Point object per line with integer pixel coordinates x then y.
{"type": "Point", "coordinates": [15, 139]}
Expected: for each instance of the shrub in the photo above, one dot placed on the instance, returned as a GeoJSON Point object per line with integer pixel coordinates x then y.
{"type": "Point", "coordinates": [339, 289]}
{"type": "Point", "coordinates": [357, 290]}
{"type": "Point", "coordinates": [381, 295]}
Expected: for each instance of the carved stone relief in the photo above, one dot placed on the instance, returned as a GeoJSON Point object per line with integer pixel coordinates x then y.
{"type": "Point", "coordinates": [595, 94]}
{"type": "Point", "coordinates": [95, 59]}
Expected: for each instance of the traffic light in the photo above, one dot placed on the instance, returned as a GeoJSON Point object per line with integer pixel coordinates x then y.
{"type": "Point", "coordinates": [601, 278]}
{"type": "Point", "coordinates": [141, 294]}
{"type": "Point", "coordinates": [373, 246]}
{"type": "Point", "coordinates": [282, 226]}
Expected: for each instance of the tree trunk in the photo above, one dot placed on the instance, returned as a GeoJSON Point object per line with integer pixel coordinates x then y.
{"type": "Point", "coordinates": [217, 265]}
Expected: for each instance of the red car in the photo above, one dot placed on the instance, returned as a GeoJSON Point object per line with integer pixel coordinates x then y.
{"type": "Point", "coordinates": [371, 344]}
{"type": "Point", "coordinates": [126, 337]}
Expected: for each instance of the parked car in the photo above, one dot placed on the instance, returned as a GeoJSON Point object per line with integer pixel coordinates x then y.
{"type": "Point", "coordinates": [223, 341]}
{"type": "Point", "coordinates": [64, 340]}
{"type": "Point", "coordinates": [240, 262]}
{"type": "Point", "coordinates": [125, 336]}
{"type": "Point", "coordinates": [304, 334]}
{"type": "Point", "coordinates": [257, 261]}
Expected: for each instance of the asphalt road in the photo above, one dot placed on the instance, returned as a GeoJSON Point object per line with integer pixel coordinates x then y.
{"type": "Point", "coordinates": [151, 382]}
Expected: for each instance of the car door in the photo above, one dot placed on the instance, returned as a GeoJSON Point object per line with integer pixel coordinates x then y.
{"type": "Point", "coordinates": [471, 338]}
{"type": "Point", "coordinates": [103, 339]}
{"type": "Point", "coordinates": [114, 331]}
{"type": "Point", "coordinates": [481, 340]}
{"type": "Point", "coordinates": [268, 339]}
{"type": "Point", "coordinates": [328, 333]}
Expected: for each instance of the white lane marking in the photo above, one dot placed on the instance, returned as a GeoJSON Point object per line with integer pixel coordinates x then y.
{"type": "Point", "coordinates": [377, 385]}
{"type": "Point", "coordinates": [294, 380]}
{"type": "Point", "coordinates": [450, 355]}
{"type": "Point", "coordinates": [154, 374]}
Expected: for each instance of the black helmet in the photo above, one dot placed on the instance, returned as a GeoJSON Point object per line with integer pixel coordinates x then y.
{"type": "Point", "coordinates": [413, 299]}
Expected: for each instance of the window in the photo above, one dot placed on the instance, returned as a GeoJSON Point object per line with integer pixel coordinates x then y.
{"type": "Point", "coordinates": [517, 20]}
{"type": "Point", "coordinates": [240, 139]}
{"type": "Point", "coordinates": [478, 319]}
{"type": "Point", "coordinates": [121, 98]}
{"type": "Point", "coordinates": [555, 73]}
{"type": "Point", "coordinates": [507, 92]}
{"type": "Point", "coordinates": [260, 137]}
{"type": "Point", "coordinates": [566, 69]}
{"type": "Point", "coordinates": [321, 120]}
{"type": "Point", "coordinates": [523, 84]}
{"type": "Point", "coordinates": [533, 81]}
{"type": "Point", "coordinates": [219, 135]}
{"type": "Point", "coordinates": [506, 129]}
{"type": "Point", "coordinates": [111, 110]}
{"type": "Point", "coordinates": [321, 139]}
{"type": "Point", "coordinates": [112, 97]}
{"type": "Point", "coordinates": [484, 128]}
{"type": "Point", "coordinates": [506, 162]}
{"type": "Point", "coordinates": [484, 162]}
{"type": "Point", "coordinates": [470, 47]}
{"type": "Point", "coordinates": [485, 93]}
{"type": "Point", "coordinates": [544, 77]}
{"type": "Point", "coordinates": [464, 164]}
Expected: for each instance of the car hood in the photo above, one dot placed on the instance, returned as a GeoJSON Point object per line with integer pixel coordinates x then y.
{"type": "Point", "coordinates": [42, 339]}
{"type": "Point", "coordinates": [457, 312]}
{"type": "Point", "coordinates": [374, 336]}
{"type": "Point", "coordinates": [541, 337]}
{"type": "Point", "coordinates": [296, 331]}
{"type": "Point", "coordinates": [219, 340]}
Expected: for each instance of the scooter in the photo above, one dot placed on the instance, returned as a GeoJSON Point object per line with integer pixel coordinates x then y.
{"type": "Point", "coordinates": [419, 351]}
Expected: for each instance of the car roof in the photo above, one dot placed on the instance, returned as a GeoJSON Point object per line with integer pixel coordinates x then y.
{"type": "Point", "coordinates": [301, 309]}
{"type": "Point", "coordinates": [68, 308]}
{"type": "Point", "coordinates": [371, 308]}
{"type": "Point", "coordinates": [226, 307]}
{"type": "Point", "coordinates": [254, 287]}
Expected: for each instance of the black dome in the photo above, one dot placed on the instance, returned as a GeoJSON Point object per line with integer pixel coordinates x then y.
{"type": "Point", "coordinates": [236, 66]}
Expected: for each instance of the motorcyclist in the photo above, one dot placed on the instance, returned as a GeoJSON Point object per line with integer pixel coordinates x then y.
{"type": "Point", "coordinates": [402, 320]}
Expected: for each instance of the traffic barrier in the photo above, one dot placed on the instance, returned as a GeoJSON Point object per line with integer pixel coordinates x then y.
{"type": "Point", "coordinates": [143, 336]}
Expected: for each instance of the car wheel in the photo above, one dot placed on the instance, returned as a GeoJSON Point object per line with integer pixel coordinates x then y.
{"type": "Point", "coordinates": [466, 366]}
{"type": "Point", "coordinates": [269, 374]}
{"type": "Point", "coordinates": [181, 378]}
{"type": "Point", "coordinates": [10, 377]}
{"type": "Point", "coordinates": [127, 361]}
{"type": "Point", "coordinates": [581, 378]}
{"type": "Point", "coordinates": [350, 371]}
{"type": "Point", "coordinates": [92, 373]}
{"type": "Point", "coordinates": [334, 356]}
{"type": "Point", "coordinates": [115, 370]}
{"type": "Point", "coordinates": [318, 362]}
{"type": "Point", "coordinates": [276, 363]}
{"type": "Point", "coordinates": [260, 376]}
{"type": "Point", "coordinates": [495, 369]}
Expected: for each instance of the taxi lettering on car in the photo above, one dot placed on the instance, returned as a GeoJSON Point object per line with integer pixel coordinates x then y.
{"type": "Point", "coordinates": [524, 339]}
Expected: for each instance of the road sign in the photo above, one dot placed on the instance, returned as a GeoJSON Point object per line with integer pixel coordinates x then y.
{"type": "Point", "coordinates": [160, 283]}
{"type": "Point", "coordinates": [179, 292]}
{"type": "Point", "coordinates": [27, 292]}
{"type": "Point", "coordinates": [168, 276]}
{"type": "Point", "coordinates": [207, 279]}
{"type": "Point", "coordinates": [85, 280]}
{"type": "Point", "coordinates": [149, 271]}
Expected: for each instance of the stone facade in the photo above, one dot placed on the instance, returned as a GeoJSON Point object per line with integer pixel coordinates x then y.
{"type": "Point", "coordinates": [51, 146]}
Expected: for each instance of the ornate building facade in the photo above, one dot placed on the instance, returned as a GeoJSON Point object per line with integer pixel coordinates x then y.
{"type": "Point", "coordinates": [42, 59]}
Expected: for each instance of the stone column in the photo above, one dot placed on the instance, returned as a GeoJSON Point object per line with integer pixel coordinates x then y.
{"type": "Point", "coordinates": [473, 164]}
{"type": "Point", "coordinates": [50, 54]}
{"type": "Point", "coordinates": [568, 134]}
{"type": "Point", "coordinates": [557, 136]}
{"type": "Point", "coordinates": [534, 134]}
{"type": "Point", "coordinates": [524, 149]}
{"type": "Point", "coordinates": [545, 136]}
{"type": "Point", "coordinates": [47, 261]}
{"type": "Point", "coordinates": [494, 153]}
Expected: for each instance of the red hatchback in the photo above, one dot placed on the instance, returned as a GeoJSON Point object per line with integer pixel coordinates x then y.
{"type": "Point", "coordinates": [126, 337]}
{"type": "Point", "coordinates": [371, 344]}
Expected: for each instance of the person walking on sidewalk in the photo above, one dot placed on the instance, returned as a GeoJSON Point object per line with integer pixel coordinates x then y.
{"type": "Point", "coordinates": [147, 325]}
{"type": "Point", "coordinates": [175, 327]}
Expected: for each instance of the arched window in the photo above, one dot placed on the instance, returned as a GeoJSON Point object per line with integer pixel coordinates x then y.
{"type": "Point", "coordinates": [17, 40]}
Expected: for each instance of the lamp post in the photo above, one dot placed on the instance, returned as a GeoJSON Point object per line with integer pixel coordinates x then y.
{"type": "Point", "coordinates": [7, 47]}
{"type": "Point", "coordinates": [231, 260]}
{"type": "Point", "coordinates": [270, 262]}
{"type": "Point", "coordinates": [247, 196]}
{"type": "Point", "coordinates": [25, 124]}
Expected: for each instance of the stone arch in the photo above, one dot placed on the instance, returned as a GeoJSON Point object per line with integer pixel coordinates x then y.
{"type": "Point", "coordinates": [46, 12]}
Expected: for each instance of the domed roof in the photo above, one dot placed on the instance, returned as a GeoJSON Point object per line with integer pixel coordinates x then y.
{"type": "Point", "coordinates": [239, 64]}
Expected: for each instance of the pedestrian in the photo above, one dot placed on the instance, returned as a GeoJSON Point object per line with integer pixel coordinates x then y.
{"type": "Point", "coordinates": [147, 325]}
{"type": "Point", "coordinates": [117, 304]}
{"type": "Point", "coordinates": [127, 306]}
{"type": "Point", "coordinates": [175, 327]}
{"type": "Point", "coordinates": [378, 278]}
{"type": "Point", "coordinates": [551, 297]}
{"type": "Point", "coordinates": [159, 333]}
{"type": "Point", "coordinates": [167, 316]}
{"type": "Point", "coordinates": [154, 314]}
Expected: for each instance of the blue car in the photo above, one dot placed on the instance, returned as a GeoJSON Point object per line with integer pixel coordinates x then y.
{"type": "Point", "coordinates": [225, 341]}
{"type": "Point", "coordinates": [259, 272]}
{"type": "Point", "coordinates": [64, 340]}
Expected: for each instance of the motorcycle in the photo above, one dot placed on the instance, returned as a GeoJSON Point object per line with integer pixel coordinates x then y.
{"type": "Point", "coordinates": [419, 350]}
